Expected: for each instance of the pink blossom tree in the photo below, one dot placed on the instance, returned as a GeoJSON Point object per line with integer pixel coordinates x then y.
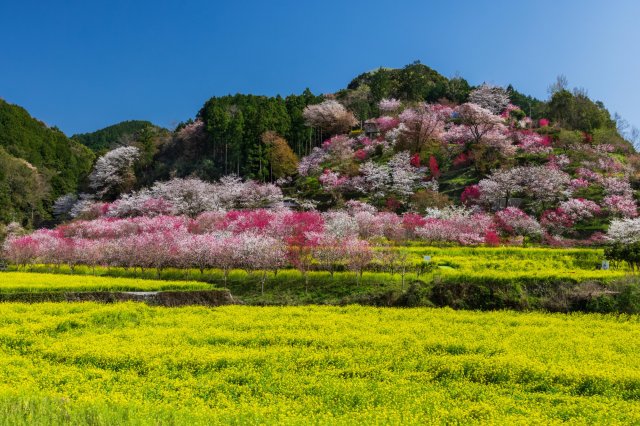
{"type": "Point", "coordinates": [420, 125]}
{"type": "Point", "coordinates": [359, 255]}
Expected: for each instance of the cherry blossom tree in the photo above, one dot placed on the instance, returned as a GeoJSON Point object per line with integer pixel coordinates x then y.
{"type": "Point", "coordinates": [420, 125]}
{"type": "Point", "coordinates": [311, 164]}
{"type": "Point", "coordinates": [330, 116]}
{"type": "Point", "coordinates": [541, 184]}
{"type": "Point", "coordinates": [21, 250]}
{"type": "Point", "coordinates": [579, 209]}
{"type": "Point", "coordinates": [358, 254]}
{"type": "Point", "coordinates": [340, 225]}
{"type": "Point", "coordinates": [389, 105]}
{"type": "Point", "coordinates": [329, 251]}
{"type": "Point", "coordinates": [256, 252]}
{"type": "Point", "coordinates": [63, 205]}
{"type": "Point", "coordinates": [513, 221]}
{"type": "Point", "coordinates": [113, 172]}
{"type": "Point", "coordinates": [556, 221]}
{"type": "Point", "coordinates": [479, 126]}
{"type": "Point", "coordinates": [624, 231]}
{"type": "Point", "coordinates": [492, 98]}
{"type": "Point", "coordinates": [621, 205]}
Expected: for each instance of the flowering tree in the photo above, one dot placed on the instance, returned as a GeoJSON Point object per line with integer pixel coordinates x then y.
{"type": "Point", "coordinates": [340, 225]}
{"type": "Point", "coordinates": [556, 221]}
{"type": "Point", "coordinates": [113, 172]}
{"type": "Point", "coordinates": [311, 164]}
{"type": "Point", "coordinates": [261, 253]}
{"type": "Point", "coordinates": [624, 231]}
{"type": "Point", "coordinates": [621, 205]}
{"type": "Point", "coordinates": [542, 184]}
{"type": "Point", "coordinates": [492, 98]}
{"type": "Point", "coordinates": [458, 226]}
{"type": "Point", "coordinates": [329, 251]}
{"type": "Point", "coordinates": [579, 209]}
{"type": "Point", "coordinates": [421, 125]}
{"type": "Point", "coordinates": [330, 116]}
{"type": "Point", "coordinates": [513, 221]}
{"type": "Point", "coordinates": [63, 205]}
{"type": "Point", "coordinates": [404, 177]}
{"type": "Point", "coordinates": [193, 131]}
{"type": "Point", "coordinates": [21, 251]}
{"type": "Point", "coordinates": [188, 197]}
{"type": "Point", "coordinates": [532, 142]}
{"type": "Point", "coordinates": [479, 126]}
{"type": "Point", "coordinates": [389, 105]}
{"type": "Point", "coordinates": [359, 255]}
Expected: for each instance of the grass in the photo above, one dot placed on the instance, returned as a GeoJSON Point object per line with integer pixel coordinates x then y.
{"type": "Point", "coordinates": [24, 282]}
{"type": "Point", "coordinates": [134, 364]}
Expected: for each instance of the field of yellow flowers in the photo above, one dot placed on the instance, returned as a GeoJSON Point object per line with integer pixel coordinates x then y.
{"type": "Point", "coordinates": [26, 282]}
{"type": "Point", "coordinates": [87, 363]}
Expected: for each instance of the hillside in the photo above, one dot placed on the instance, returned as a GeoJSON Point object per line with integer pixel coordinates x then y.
{"type": "Point", "coordinates": [110, 137]}
{"type": "Point", "coordinates": [379, 114]}
{"type": "Point", "coordinates": [228, 138]}
{"type": "Point", "coordinates": [37, 165]}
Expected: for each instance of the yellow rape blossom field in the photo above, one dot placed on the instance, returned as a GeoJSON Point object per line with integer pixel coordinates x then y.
{"type": "Point", "coordinates": [87, 363]}
{"type": "Point", "coordinates": [16, 282]}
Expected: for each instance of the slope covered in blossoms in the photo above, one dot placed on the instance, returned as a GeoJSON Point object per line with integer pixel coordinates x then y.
{"type": "Point", "coordinates": [536, 179]}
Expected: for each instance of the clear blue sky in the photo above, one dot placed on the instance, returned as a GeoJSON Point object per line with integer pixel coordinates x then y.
{"type": "Point", "coordinates": [83, 65]}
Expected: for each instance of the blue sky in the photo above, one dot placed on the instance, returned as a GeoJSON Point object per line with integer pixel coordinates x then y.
{"type": "Point", "coordinates": [83, 65]}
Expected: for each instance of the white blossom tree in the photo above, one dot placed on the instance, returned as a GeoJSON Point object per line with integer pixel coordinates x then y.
{"type": "Point", "coordinates": [493, 98]}
{"type": "Point", "coordinates": [330, 116]}
{"type": "Point", "coordinates": [113, 173]}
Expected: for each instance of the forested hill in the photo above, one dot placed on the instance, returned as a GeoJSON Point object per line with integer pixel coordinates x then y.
{"type": "Point", "coordinates": [37, 165]}
{"type": "Point", "coordinates": [115, 135]}
{"type": "Point", "coordinates": [230, 137]}
{"type": "Point", "coordinates": [264, 138]}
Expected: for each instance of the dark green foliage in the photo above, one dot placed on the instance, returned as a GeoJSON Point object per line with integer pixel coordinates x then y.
{"type": "Point", "coordinates": [623, 252]}
{"type": "Point", "coordinates": [123, 133]}
{"type": "Point", "coordinates": [414, 82]}
{"type": "Point", "coordinates": [232, 138]}
{"type": "Point", "coordinates": [234, 126]}
{"type": "Point", "coordinates": [58, 163]}
{"type": "Point", "coordinates": [531, 106]}
{"type": "Point", "coordinates": [301, 138]}
{"type": "Point", "coordinates": [578, 112]}
{"type": "Point", "coordinates": [22, 190]}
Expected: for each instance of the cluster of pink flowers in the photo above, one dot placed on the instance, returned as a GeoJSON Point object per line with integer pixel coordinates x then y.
{"type": "Point", "coordinates": [621, 205]}
{"type": "Point", "coordinates": [465, 230]}
{"type": "Point", "coordinates": [532, 142]}
{"type": "Point", "coordinates": [386, 123]}
{"type": "Point", "coordinates": [558, 162]}
{"type": "Point", "coordinates": [588, 174]}
{"type": "Point", "coordinates": [331, 180]}
{"type": "Point", "coordinates": [389, 105]}
{"type": "Point", "coordinates": [579, 209]}
{"type": "Point", "coordinates": [513, 221]}
{"type": "Point", "coordinates": [578, 183]}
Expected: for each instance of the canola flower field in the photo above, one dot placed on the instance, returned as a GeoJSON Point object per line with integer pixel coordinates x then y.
{"type": "Point", "coordinates": [25, 282]}
{"type": "Point", "coordinates": [471, 264]}
{"type": "Point", "coordinates": [129, 363]}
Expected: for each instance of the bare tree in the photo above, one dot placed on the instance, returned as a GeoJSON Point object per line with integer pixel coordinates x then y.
{"type": "Point", "coordinates": [559, 85]}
